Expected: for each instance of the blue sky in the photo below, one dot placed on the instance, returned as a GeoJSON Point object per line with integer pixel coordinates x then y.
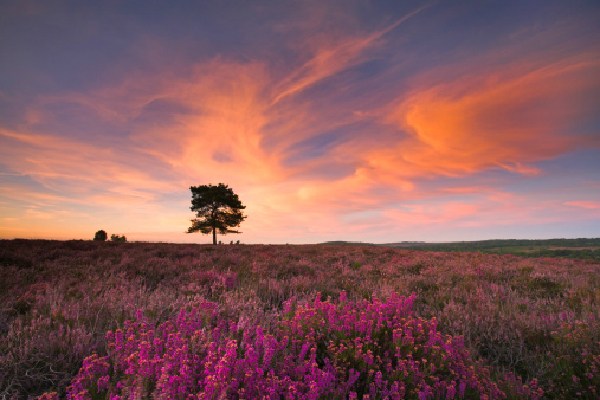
{"type": "Point", "coordinates": [360, 120]}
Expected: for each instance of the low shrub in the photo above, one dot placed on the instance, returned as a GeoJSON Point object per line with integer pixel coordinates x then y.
{"type": "Point", "coordinates": [318, 350]}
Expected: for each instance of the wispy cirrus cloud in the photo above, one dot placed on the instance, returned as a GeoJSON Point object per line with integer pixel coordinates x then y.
{"type": "Point", "coordinates": [330, 60]}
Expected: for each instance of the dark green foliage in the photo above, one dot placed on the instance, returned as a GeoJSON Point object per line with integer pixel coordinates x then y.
{"type": "Point", "coordinates": [537, 287]}
{"type": "Point", "coordinates": [424, 287]}
{"type": "Point", "coordinates": [18, 261]}
{"type": "Point", "coordinates": [355, 265]}
{"type": "Point", "coordinates": [217, 208]}
{"type": "Point", "coordinates": [415, 269]}
{"type": "Point", "coordinates": [544, 287]}
{"type": "Point", "coordinates": [287, 271]}
{"type": "Point", "coordinates": [101, 236]}
{"type": "Point", "coordinates": [22, 306]}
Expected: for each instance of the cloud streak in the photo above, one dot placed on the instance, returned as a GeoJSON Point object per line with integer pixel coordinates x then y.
{"type": "Point", "coordinates": [329, 61]}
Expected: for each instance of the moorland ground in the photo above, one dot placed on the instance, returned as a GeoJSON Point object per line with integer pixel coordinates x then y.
{"type": "Point", "coordinates": [536, 318]}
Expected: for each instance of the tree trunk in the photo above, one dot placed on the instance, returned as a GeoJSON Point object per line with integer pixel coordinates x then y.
{"type": "Point", "coordinates": [213, 222]}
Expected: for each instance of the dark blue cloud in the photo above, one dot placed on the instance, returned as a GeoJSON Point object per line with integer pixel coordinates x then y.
{"type": "Point", "coordinates": [162, 111]}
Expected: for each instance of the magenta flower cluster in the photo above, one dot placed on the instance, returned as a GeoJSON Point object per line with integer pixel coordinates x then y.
{"type": "Point", "coordinates": [375, 349]}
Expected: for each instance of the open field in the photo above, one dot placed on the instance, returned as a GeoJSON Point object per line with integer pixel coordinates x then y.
{"type": "Point", "coordinates": [314, 322]}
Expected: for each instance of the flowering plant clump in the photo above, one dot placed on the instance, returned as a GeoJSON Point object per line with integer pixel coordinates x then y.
{"type": "Point", "coordinates": [577, 367]}
{"type": "Point", "coordinates": [374, 349]}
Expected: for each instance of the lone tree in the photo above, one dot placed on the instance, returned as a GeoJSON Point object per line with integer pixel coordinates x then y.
{"type": "Point", "coordinates": [100, 236]}
{"type": "Point", "coordinates": [217, 208]}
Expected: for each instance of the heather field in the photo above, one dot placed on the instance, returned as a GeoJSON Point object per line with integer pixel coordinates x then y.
{"type": "Point", "coordinates": [96, 320]}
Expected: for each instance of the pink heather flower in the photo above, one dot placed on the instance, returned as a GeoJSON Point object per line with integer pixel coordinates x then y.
{"type": "Point", "coordinates": [144, 351]}
{"type": "Point", "coordinates": [230, 281]}
{"type": "Point", "coordinates": [49, 396]}
{"type": "Point", "coordinates": [202, 354]}
{"type": "Point", "coordinates": [119, 339]}
{"type": "Point", "coordinates": [103, 383]}
{"type": "Point", "coordinates": [343, 296]}
{"type": "Point", "coordinates": [450, 392]}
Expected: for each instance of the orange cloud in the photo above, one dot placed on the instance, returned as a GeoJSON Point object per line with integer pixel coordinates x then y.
{"type": "Point", "coordinates": [502, 120]}
{"type": "Point", "coordinates": [49, 158]}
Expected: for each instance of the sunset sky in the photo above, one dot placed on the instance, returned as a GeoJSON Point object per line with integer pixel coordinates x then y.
{"type": "Point", "coordinates": [375, 121]}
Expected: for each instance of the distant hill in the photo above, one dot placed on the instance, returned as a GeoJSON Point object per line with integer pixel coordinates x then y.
{"type": "Point", "coordinates": [583, 248]}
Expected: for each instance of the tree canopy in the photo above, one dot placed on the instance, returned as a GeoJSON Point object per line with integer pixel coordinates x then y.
{"type": "Point", "coordinates": [217, 209]}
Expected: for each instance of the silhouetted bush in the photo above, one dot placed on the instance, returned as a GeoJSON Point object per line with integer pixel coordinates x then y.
{"type": "Point", "coordinates": [100, 236]}
{"type": "Point", "coordinates": [117, 238]}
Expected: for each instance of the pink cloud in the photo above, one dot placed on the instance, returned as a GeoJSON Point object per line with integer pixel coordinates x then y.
{"type": "Point", "coordinates": [586, 204]}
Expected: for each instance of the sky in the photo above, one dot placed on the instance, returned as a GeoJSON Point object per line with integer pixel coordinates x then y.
{"type": "Point", "coordinates": [373, 121]}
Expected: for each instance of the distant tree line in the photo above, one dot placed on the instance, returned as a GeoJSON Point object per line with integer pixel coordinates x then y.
{"type": "Point", "coordinates": [101, 236]}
